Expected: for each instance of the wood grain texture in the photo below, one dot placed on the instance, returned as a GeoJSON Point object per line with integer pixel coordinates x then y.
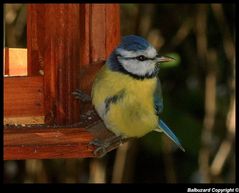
{"type": "Point", "coordinates": [27, 143]}
{"type": "Point", "coordinates": [97, 32]}
{"type": "Point", "coordinates": [35, 29]}
{"type": "Point", "coordinates": [23, 96]}
{"type": "Point", "coordinates": [112, 16]}
{"type": "Point", "coordinates": [69, 40]}
{"type": "Point", "coordinates": [55, 39]}
{"type": "Point", "coordinates": [46, 142]}
{"type": "Point", "coordinates": [6, 61]}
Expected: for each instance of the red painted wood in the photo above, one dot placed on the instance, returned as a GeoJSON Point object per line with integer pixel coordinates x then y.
{"type": "Point", "coordinates": [98, 32]}
{"type": "Point", "coordinates": [112, 27]}
{"type": "Point", "coordinates": [46, 143]}
{"type": "Point", "coordinates": [47, 152]}
{"type": "Point", "coordinates": [6, 62]}
{"type": "Point", "coordinates": [77, 37]}
{"type": "Point", "coordinates": [57, 42]}
{"type": "Point", "coordinates": [50, 142]}
{"type": "Point", "coordinates": [85, 10]}
{"type": "Point", "coordinates": [23, 96]}
{"type": "Point", "coordinates": [69, 42]}
{"type": "Point", "coordinates": [35, 27]}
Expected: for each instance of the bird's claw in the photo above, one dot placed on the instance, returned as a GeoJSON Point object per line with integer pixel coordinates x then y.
{"type": "Point", "coordinates": [101, 149]}
{"type": "Point", "coordinates": [78, 94]}
{"type": "Point", "coordinates": [104, 147]}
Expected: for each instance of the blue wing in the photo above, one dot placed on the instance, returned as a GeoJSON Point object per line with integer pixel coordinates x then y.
{"type": "Point", "coordinates": [158, 98]}
{"type": "Point", "coordinates": [170, 134]}
{"type": "Point", "coordinates": [158, 104]}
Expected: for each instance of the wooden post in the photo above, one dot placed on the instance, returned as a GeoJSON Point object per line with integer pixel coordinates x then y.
{"type": "Point", "coordinates": [70, 41]}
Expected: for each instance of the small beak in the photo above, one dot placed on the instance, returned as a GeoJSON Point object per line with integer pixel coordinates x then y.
{"type": "Point", "coordinates": [161, 59]}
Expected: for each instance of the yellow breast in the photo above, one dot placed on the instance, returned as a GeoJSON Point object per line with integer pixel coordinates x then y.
{"type": "Point", "coordinates": [134, 115]}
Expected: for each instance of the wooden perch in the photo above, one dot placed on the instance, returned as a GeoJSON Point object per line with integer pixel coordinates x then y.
{"type": "Point", "coordinates": [48, 142]}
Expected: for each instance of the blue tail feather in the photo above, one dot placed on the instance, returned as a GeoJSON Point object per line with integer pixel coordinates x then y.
{"type": "Point", "coordinates": [170, 134]}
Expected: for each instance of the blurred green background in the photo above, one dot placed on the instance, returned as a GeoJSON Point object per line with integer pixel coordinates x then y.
{"type": "Point", "coordinates": [199, 101]}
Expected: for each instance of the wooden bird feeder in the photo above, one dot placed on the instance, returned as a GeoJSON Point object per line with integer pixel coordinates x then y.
{"type": "Point", "coordinates": [66, 46]}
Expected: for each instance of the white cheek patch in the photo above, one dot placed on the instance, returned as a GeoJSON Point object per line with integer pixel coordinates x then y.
{"type": "Point", "coordinates": [138, 67]}
{"type": "Point", "coordinates": [150, 52]}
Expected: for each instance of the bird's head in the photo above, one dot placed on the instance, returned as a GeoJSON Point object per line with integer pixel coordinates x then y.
{"type": "Point", "coordinates": [137, 57]}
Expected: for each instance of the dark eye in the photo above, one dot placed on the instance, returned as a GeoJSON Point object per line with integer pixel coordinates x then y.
{"type": "Point", "coordinates": [141, 58]}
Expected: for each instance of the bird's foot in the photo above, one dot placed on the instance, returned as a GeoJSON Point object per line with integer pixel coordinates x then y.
{"type": "Point", "coordinates": [103, 147]}
{"type": "Point", "coordinates": [81, 95]}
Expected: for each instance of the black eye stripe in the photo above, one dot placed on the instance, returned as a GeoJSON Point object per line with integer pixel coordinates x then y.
{"type": "Point", "coordinates": [140, 57]}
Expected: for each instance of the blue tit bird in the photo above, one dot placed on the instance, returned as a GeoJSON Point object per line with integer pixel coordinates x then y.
{"type": "Point", "coordinates": [126, 92]}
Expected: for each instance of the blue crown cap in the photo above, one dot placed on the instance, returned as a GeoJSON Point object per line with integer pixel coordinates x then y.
{"type": "Point", "coordinates": [133, 43]}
